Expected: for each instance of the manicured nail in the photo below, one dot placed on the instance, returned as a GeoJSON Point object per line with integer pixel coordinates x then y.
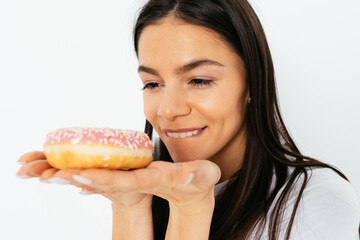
{"type": "Point", "coordinates": [58, 180]}
{"type": "Point", "coordinates": [23, 176]}
{"type": "Point", "coordinates": [86, 192]}
{"type": "Point", "coordinates": [191, 177]}
{"type": "Point", "coordinates": [82, 180]}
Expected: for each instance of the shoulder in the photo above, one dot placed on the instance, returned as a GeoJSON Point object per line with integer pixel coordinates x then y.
{"type": "Point", "coordinates": [324, 181]}
{"type": "Point", "coordinates": [329, 207]}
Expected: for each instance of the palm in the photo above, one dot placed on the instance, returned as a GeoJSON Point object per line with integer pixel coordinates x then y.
{"type": "Point", "coordinates": [129, 188]}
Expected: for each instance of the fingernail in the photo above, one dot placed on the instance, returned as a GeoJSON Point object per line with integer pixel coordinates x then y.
{"type": "Point", "coordinates": [191, 177]}
{"type": "Point", "coordinates": [82, 180]}
{"type": "Point", "coordinates": [23, 176]}
{"type": "Point", "coordinates": [58, 180]}
{"type": "Point", "coordinates": [86, 192]}
{"type": "Point", "coordinates": [45, 181]}
{"type": "Point", "coordinates": [21, 163]}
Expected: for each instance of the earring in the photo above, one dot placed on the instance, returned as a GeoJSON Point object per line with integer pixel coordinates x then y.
{"type": "Point", "coordinates": [249, 101]}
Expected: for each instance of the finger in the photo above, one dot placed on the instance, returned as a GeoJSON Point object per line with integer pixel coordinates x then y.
{"type": "Point", "coordinates": [64, 176]}
{"type": "Point", "coordinates": [47, 174]}
{"type": "Point", "coordinates": [158, 177]}
{"type": "Point", "coordinates": [33, 169]}
{"type": "Point", "coordinates": [113, 181]}
{"type": "Point", "coordinates": [144, 180]}
{"type": "Point", "coordinates": [108, 180]}
{"type": "Point", "coordinates": [203, 173]}
{"type": "Point", "coordinates": [163, 178]}
{"type": "Point", "coordinates": [89, 190]}
{"type": "Point", "coordinates": [31, 156]}
{"type": "Point", "coordinates": [206, 174]}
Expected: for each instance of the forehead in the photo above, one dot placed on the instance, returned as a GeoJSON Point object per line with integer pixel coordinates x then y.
{"type": "Point", "coordinates": [174, 40]}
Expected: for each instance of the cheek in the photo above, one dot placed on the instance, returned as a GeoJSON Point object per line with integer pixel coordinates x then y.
{"type": "Point", "coordinates": [151, 103]}
{"type": "Point", "coordinates": [236, 108]}
{"type": "Point", "coordinates": [235, 95]}
{"type": "Point", "coordinates": [208, 102]}
{"type": "Point", "coordinates": [219, 106]}
{"type": "Point", "coordinates": [150, 106]}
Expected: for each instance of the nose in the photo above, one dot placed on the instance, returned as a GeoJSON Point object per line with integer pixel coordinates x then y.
{"type": "Point", "coordinates": [174, 103]}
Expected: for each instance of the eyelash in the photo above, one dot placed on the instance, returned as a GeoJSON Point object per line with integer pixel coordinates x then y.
{"type": "Point", "coordinates": [201, 82]}
{"type": "Point", "coordinates": [150, 85]}
{"type": "Point", "coordinates": [196, 82]}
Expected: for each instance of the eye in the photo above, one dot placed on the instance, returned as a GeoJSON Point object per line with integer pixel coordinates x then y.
{"type": "Point", "coordinates": [150, 86]}
{"type": "Point", "coordinates": [201, 82]}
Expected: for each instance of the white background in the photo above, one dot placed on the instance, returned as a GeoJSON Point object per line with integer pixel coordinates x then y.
{"type": "Point", "coordinates": [71, 63]}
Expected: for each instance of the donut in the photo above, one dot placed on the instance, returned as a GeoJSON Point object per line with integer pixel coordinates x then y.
{"type": "Point", "coordinates": [97, 148]}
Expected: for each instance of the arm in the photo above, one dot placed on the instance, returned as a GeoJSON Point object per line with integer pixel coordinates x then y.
{"type": "Point", "coordinates": [191, 222]}
{"type": "Point", "coordinates": [132, 223]}
{"type": "Point", "coordinates": [189, 188]}
{"type": "Point", "coordinates": [132, 213]}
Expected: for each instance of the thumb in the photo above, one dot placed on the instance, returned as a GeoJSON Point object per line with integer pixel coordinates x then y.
{"type": "Point", "coordinates": [121, 180]}
{"type": "Point", "coordinates": [202, 173]}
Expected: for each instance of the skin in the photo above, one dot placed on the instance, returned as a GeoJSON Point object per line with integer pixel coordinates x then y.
{"type": "Point", "coordinates": [131, 193]}
{"type": "Point", "coordinates": [176, 99]}
{"type": "Point", "coordinates": [173, 102]}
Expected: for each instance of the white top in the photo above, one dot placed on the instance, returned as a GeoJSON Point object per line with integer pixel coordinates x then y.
{"type": "Point", "coordinates": [329, 209]}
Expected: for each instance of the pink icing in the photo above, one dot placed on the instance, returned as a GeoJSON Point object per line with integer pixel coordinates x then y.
{"type": "Point", "coordinates": [102, 136]}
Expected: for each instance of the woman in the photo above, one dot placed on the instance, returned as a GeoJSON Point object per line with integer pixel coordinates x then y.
{"type": "Point", "coordinates": [209, 92]}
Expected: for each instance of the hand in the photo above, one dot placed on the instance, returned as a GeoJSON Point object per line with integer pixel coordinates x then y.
{"type": "Point", "coordinates": [132, 215]}
{"type": "Point", "coordinates": [185, 185]}
{"type": "Point", "coordinates": [36, 165]}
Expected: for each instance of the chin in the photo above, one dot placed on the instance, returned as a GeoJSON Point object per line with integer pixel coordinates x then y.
{"type": "Point", "coordinates": [185, 152]}
{"type": "Point", "coordinates": [184, 156]}
{"type": "Point", "coordinates": [179, 157]}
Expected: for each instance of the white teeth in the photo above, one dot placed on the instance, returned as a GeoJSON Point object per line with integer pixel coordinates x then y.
{"type": "Point", "coordinates": [183, 134]}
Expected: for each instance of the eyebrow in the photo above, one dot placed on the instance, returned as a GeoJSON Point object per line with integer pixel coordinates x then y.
{"type": "Point", "coordinates": [183, 69]}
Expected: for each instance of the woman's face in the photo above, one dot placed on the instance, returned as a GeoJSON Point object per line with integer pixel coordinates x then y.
{"type": "Point", "coordinates": [195, 92]}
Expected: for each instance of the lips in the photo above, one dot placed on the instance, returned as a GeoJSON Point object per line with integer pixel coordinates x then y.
{"type": "Point", "coordinates": [183, 133]}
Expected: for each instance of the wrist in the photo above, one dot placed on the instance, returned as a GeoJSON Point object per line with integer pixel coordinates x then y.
{"type": "Point", "coordinates": [140, 204]}
{"type": "Point", "coordinates": [204, 205]}
{"type": "Point", "coordinates": [191, 221]}
{"type": "Point", "coordinates": [134, 222]}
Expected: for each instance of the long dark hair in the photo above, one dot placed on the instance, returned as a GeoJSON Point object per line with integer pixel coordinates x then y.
{"type": "Point", "coordinates": [270, 155]}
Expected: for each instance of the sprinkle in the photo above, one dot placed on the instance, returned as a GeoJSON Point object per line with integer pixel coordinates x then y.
{"type": "Point", "coordinates": [120, 138]}
{"type": "Point", "coordinates": [129, 144]}
{"type": "Point", "coordinates": [75, 141]}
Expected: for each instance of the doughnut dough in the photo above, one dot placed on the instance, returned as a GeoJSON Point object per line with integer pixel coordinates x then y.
{"type": "Point", "coordinates": [97, 148]}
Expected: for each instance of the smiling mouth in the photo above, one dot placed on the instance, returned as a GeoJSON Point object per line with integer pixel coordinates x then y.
{"type": "Point", "coordinates": [184, 134]}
